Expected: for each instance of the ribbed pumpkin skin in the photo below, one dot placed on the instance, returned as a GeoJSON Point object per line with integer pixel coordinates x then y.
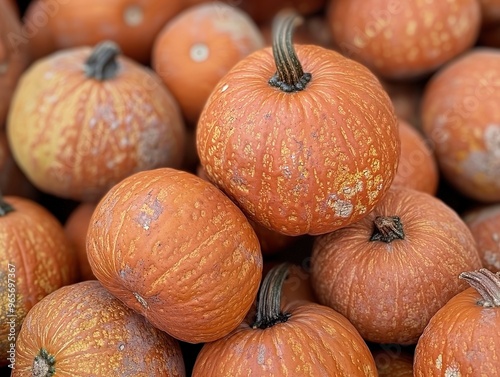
{"type": "Point", "coordinates": [462, 339]}
{"type": "Point", "coordinates": [176, 243]}
{"type": "Point", "coordinates": [33, 241]}
{"type": "Point", "coordinates": [315, 341]}
{"type": "Point", "coordinates": [91, 333]}
{"type": "Point", "coordinates": [75, 137]}
{"type": "Point", "coordinates": [461, 116]}
{"type": "Point", "coordinates": [304, 162]}
{"type": "Point", "coordinates": [389, 291]}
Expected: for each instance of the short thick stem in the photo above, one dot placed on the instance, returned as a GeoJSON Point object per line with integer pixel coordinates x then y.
{"type": "Point", "coordinates": [487, 284]}
{"type": "Point", "coordinates": [101, 64]}
{"type": "Point", "coordinates": [5, 207]}
{"type": "Point", "coordinates": [44, 364]}
{"type": "Point", "coordinates": [387, 229]}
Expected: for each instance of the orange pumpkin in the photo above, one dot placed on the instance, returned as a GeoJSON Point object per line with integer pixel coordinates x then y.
{"type": "Point", "coordinates": [174, 248]}
{"type": "Point", "coordinates": [404, 39]}
{"type": "Point", "coordinates": [264, 10]}
{"type": "Point", "coordinates": [55, 25]}
{"type": "Point", "coordinates": [35, 260]}
{"type": "Point", "coordinates": [305, 150]}
{"type": "Point", "coordinates": [393, 361]}
{"type": "Point", "coordinates": [197, 47]}
{"type": "Point", "coordinates": [83, 119]}
{"type": "Point", "coordinates": [462, 339]}
{"type": "Point", "coordinates": [460, 117]}
{"type": "Point", "coordinates": [299, 338]}
{"type": "Point", "coordinates": [82, 330]}
{"type": "Point", "coordinates": [390, 272]}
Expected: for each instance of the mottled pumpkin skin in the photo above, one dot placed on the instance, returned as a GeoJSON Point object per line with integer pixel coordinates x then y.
{"type": "Point", "coordinates": [75, 137]}
{"type": "Point", "coordinates": [305, 162]}
{"type": "Point", "coordinates": [389, 291]}
{"type": "Point", "coordinates": [35, 251]}
{"type": "Point", "coordinates": [174, 248]}
{"type": "Point", "coordinates": [315, 341]}
{"type": "Point", "coordinates": [91, 333]}
{"type": "Point", "coordinates": [462, 339]}
{"type": "Point", "coordinates": [404, 39]}
{"type": "Point", "coordinates": [461, 117]}
{"type": "Point", "coordinates": [196, 48]}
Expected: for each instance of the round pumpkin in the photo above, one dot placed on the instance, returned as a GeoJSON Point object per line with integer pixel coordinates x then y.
{"type": "Point", "coordinates": [461, 118]}
{"type": "Point", "coordinates": [55, 25]}
{"type": "Point", "coordinates": [404, 39]}
{"type": "Point", "coordinates": [463, 338]}
{"type": "Point", "coordinates": [390, 272]}
{"type": "Point", "coordinates": [307, 150]}
{"type": "Point", "coordinates": [197, 47]}
{"type": "Point", "coordinates": [175, 249]}
{"type": "Point", "coordinates": [82, 330]}
{"type": "Point", "coordinates": [83, 119]}
{"type": "Point", "coordinates": [35, 260]}
{"type": "Point", "coordinates": [393, 361]}
{"type": "Point", "coordinates": [298, 338]}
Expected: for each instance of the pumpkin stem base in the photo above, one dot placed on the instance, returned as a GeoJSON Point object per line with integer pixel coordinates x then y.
{"type": "Point", "coordinates": [293, 87]}
{"type": "Point", "coordinates": [387, 229]}
{"type": "Point", "coordinates": [487, 284]}
{"type": "Point", "coordinates": [44, 364]}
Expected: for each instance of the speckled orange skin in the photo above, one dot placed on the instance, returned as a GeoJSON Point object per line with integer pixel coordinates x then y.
{"type": "Point", "coordinates": [315, 341]}
{"type": "Point", "coordinates": [484, 223]}
{"type": "Point", "coordinates": [462, 339]}
{"type": "Point", "coordinates": [224, 35]}
{"type": "Point", "coordinates": [91, 333]}
{"type": "Point", "coordinates": [75, 137]}
{"type": "Point", "coordinates": [389, 291]}
{"type": "Point", "coordinates": [174, 248]}
{"type": "Point", "coordinates": [404, 39]}
{"type": "Point", "coordinates": [461, 117]}
{"type": "Point", "coordinates": [417, 167]}
{"type": "Point", "coordinates": [33, 241]}
{"type": "Point", "coordinates": [304, 162]}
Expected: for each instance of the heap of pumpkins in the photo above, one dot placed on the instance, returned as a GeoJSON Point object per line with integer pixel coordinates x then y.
{"type": "Point", "coordinates": [250, 188]}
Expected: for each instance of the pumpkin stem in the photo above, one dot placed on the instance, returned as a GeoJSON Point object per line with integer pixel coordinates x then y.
{"type": "Point", "coordinates": [5, 207]}
{"type": "Point", "coordinates": [269, 302]}
{"type": "Point", "coordinates": [44, 364]}
{"type": "Point", "coordinates": [487, 284]}
{"type": "Point", "coordinates": [101, 64]}
{"type": "Point", "coordinates": [387, 229]}
{"type": "Point", "coordinates": [289, 76]}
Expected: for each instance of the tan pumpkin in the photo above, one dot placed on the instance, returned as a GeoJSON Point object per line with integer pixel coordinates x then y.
{"type": "Point", "coordinates": [35, 260]}
{"type": "Point", "coordinates": [174, 248]}
{"type": "Point", "coordinates": [197, 47]}
{"type": "Point", "coordinates": [82, 330]}
{"type": "Point", "coordinates": [55, 25]}
{"type": "Point", "coordinates": [306, 149]}
{"type": "Point", "coordinates": [390, 272]}
{"type": "Point", "coordinates": [83, 119]}
{"type": "Point", "coordinates": [404, 39]}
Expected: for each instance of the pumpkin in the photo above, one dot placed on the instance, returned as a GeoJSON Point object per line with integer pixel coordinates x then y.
{"type": "Point", "coordinates": [417, 167]}
{"type": "Point", "coordinates": [406, 98]}
{"type": "Point", "coordinates": [197, 47]}
{"type": "Point", "coordinates": [55, 25]}
{"type": "Point", "coordinates": [82, 330]}
{"type": "Point", "coordinates": [14, 56]}
{"type": "Point", "coordinates": [404, 39]}
{"type": "Point", "coordinates": [462, 338]}
{"type": "Point", "coordinates": [35, 260]}
{"type": "Point", "coordinates": [76, 227]}
{"type": "Point", "coordinates": [307, 150]}
{"type": "Point", "coordinates": [175, 249]}
{"type": "Point", "coordinates": [390, 272]}
{"type": "Point", "coordinates": [484, 224]}
{"type": "Point", "coordinates": [461, 118]}
{"type": "Point", "coordinates": [393, 361]}
{"type": "Point", "coordinates": [299, 338]}
{"type": "Point", "coordinates": [263, 10]}
{"type": "Point", "coordinates": [83, 119]}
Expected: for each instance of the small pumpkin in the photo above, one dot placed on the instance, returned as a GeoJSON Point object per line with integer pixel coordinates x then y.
{"type": "Point", "coordinates": [300, 150]}
{"type": "Point", "coordinates": [83, 119]}
{"type": "Point", "coordinates": [299, 338]}
{"type": "Point", "coordinates": [174, 248]}
{"type": "Point", "coordinates": [404, 39]}
{"type": "Point", "coordinates": [35, 260]}
{"type": "Point", "coordinates": [82, 330]}
{"type": "Point", "coordinates": [390, 272]}
{"type": "Point", "coordinates": [461, 118]}
{"type": "Point", "coordinates": [197, 47]}
{"type": "Point", "coordinates": [392, 360]}
{"type": "Point", "coordinates": [462, 338]}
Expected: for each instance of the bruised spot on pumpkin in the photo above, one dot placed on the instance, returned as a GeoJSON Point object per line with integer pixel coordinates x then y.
{"type": "Point", "coordinates": [439, 362]}
{"type": "Point", "coordinates": [199, 52]}
{"type": "Point", "coordinates": [148, 213]}
{"type": "Point", "coordinates": [133, 15]}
